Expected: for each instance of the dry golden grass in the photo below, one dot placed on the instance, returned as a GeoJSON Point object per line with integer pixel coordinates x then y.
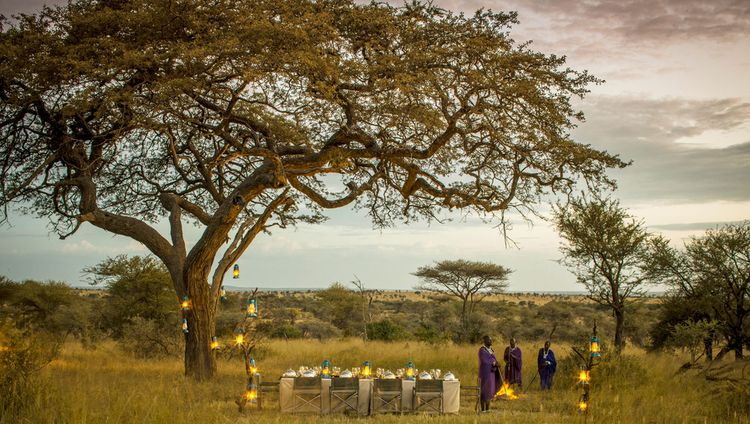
{"type": "Point", "coordinates": [106, 386]}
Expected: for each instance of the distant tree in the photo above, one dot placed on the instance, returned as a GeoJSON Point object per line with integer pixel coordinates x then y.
{"type": "Point", "coordinates": [605, 248]}
{"type": "Point", "coordinates": [691, 335]}
{"type": "Point", "coordinates": [244, 116]}
{"type": "Point", "coordinates": [469, 281]}
{"type": "Point", "coordinates": [341, 307]}
{"type": "Point", "coordinates": [712, 274]}
{"type": "Point", "coordinates": [368, 297]}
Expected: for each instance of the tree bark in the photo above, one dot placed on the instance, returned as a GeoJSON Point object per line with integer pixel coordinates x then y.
{"type": "Point", "coordinates": [200, 363]}
{"type": "Point", "coordinates": [619, 326]}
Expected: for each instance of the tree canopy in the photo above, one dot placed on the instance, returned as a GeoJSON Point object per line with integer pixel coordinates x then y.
{"type": "Point", "coordinates": [606, 249]}
{"type": "Point", "coordinates": [241, 116]}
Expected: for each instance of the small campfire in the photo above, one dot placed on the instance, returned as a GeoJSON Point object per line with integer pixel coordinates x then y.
{"type": "Point", "coordinates": [506, 392]}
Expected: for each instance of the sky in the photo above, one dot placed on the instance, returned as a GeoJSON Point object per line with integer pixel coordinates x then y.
{"type": "Point", "coordinates": [676, 101]}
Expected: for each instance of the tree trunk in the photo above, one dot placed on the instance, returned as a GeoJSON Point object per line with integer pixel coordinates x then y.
{"type": "Point", "coordinates": [200, 363]}
{"type": "Point", "coordinates": [619, 325]}
{"type": "Point", "coordinates": [708, 344]}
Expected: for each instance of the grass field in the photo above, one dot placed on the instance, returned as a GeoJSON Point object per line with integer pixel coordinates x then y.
{"type": "Point", "coordinates": [107, 386]}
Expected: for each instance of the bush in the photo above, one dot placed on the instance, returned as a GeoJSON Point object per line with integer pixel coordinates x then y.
{"type": "Point", "coordinates": [148, 338]}
{"type": "Point", "coordinates": [385, 330]}
{"type": "Point", "coordinates": [22, 355]}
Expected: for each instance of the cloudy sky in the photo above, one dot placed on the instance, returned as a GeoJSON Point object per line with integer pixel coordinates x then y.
{"type": "Point", "coordinates": [676, 102]}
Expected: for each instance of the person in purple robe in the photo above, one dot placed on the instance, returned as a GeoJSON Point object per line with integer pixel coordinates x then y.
{"type": "Point", "coordinates": [512, 358]}
{"type": "Point", "coordinates": [489, 374]}
{"type": "Point", "coordinates": [547, 365]}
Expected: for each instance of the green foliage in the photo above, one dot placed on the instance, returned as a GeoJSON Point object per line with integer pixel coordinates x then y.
{"type": "Point", "coordinates": [385, 330]}
{"type": "Point", "coordinates": [691, 336]}
{"type": "Point", "coordinates": [53, 308]}
{"type": "Point", "coordinates": [341, 307]}
{"type": "Point", "coordinates": [140, 309]}
{"type": "Point", "coordinates": [23, 353]}
{"type": "Point", "coordinates": [607, 250]}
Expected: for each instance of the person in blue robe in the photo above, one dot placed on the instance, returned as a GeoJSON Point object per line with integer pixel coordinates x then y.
{"type": "Point", "coordinates": [547, 365]}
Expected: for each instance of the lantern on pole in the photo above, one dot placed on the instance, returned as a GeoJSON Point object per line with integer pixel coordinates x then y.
{"type": "Point", "coordinates": [185, 304]}
{"type": "Point", "coordinates": [214, 343]}
{"type": "Point", "coordinates": [236, 272]}
{"type": "Point", "coordinates": [252, 308]}
{"type": "Point", "coordinates": [251, 393]}
{"type": "Point", "coordinates": [252, 369]}
{"type": "Point", "coordinates": [325, 369]}
{"type": "Point", "coordinates": [223, 294]}
{"type": "Point", "coordinates": [367, 369]}
{"type": "Point", "coordinates": [184, 326]}
{"type": "Point", "coordinates": [595, 347]}
{"type": "Point", "coordinates": [410, 370]}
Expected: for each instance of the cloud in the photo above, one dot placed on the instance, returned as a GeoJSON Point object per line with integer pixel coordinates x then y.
{"type": "Point", "coordinates": [655, 134]}
{"type": "Point", "coordinates": [693, 226]}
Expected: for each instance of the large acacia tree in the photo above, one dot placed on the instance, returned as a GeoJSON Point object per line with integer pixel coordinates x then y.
{"type": "Point", "coordinates": [243, 115]}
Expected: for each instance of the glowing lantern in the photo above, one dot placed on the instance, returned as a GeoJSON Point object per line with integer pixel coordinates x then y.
{"type": "Point", "coordinates": [595, 352]}
{"type": "Point", "coordinates": [584, 377]}
{"type": "Point", "coordinates": [236, 272]}
{"type": "Point", "coordinates": [325, 369]}
{"type": "Point", "coordinates": [184, 326]}
{"type": "Point", "coordinates": [366, 369]}
{"type": "Point", "coordinates": [583, 406]}
{"type": "Point", "coordinates": [252, 308]}
{"type": "Point", "coordinates": [410, 371]}
{"type": "Point", "coordinates": [251, 393]}
{"type": "Point", "coordinates": [223, 293]}
{"type": "Point", "coordinates": [214, 343]}
{"type": "Point", "coordinates": [185, 304]}
{"type": "Point", "coordinates": [251, 368]}
{"type": "Point", "coordinates": [239, 339]}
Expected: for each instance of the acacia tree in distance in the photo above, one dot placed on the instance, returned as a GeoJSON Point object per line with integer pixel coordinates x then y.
{"type": "Point", "coordinates": [469, 281]}
{"type": "Point", "coordinates": [606, 249]}
{"type": "Point", "coordinates": [712, 273]}
{"type": "Point", "coordinates": [240, 116]}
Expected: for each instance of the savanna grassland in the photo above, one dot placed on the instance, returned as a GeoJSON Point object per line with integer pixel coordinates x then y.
{"type": "Point", "coordinates": [105, 385]}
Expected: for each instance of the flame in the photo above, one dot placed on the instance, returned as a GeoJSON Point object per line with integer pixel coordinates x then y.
{"type": "Point", "coordinates": [240, 339]}
{"type": "Point", "coordinates": [594, 347]}
{"type": "Point", "coordinates": [214, 345]}
{"type": "Point", "coordinates": [251, 308]}
{"type": "Point", "coordinates": [584, 376]}
{"type": "Point", "coordinates": [185, 304]}
{"type": "Point", "coordinates": [507, 391]}
{"type": "Point", "coordinates": [251, 394]}
{"type": "Point", "coordinates": [583, 406]}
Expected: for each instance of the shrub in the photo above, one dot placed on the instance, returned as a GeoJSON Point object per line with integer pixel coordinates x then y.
{"type": "Point", "coordinates": [22, 355]}
{"type": "Point", "coordinates": [148, 338]}
{"type": "Point", "coordinates": [385, 330]}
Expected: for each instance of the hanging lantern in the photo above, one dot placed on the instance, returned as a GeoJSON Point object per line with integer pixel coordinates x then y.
{"type": "Point", "coordinates": [251, 393]}
{"type": "Point", "coordinates": [325, 369]}
{"type": "Point", "coordinates": [214, 343]}
{"type": "Point", "coordinates": [251, 368]}
{"type": "Point", "coordinates": [185, 304]}
{"type": "Point", "coordinates": [252, 308]}
{"type": "Point", "coordinates": [410, 370]}
{"type": "Point", "coordinates": [367, 369]}
{"type": "Point", "coordinates": [239, 339]}
{"type": "Point", "coordinates": [595, 350]}
{"type": "Point", "coordinates": [184, 326]}
{"type": "Point", "coordinates": [236, 272]}
{"type": "Point", "coordinates": [223, 294]}
{"type": "Point", "coordinates": [583, 404]}
{"type": "Point", "coordinates": [584, 376]}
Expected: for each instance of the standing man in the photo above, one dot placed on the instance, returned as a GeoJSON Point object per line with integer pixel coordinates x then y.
{"type": "Point", "coordinates": [489, 374]}
{"type": "Point", "coordinates": [512, 358]}
{"type": "Point", "coordinates": [547, 366]}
